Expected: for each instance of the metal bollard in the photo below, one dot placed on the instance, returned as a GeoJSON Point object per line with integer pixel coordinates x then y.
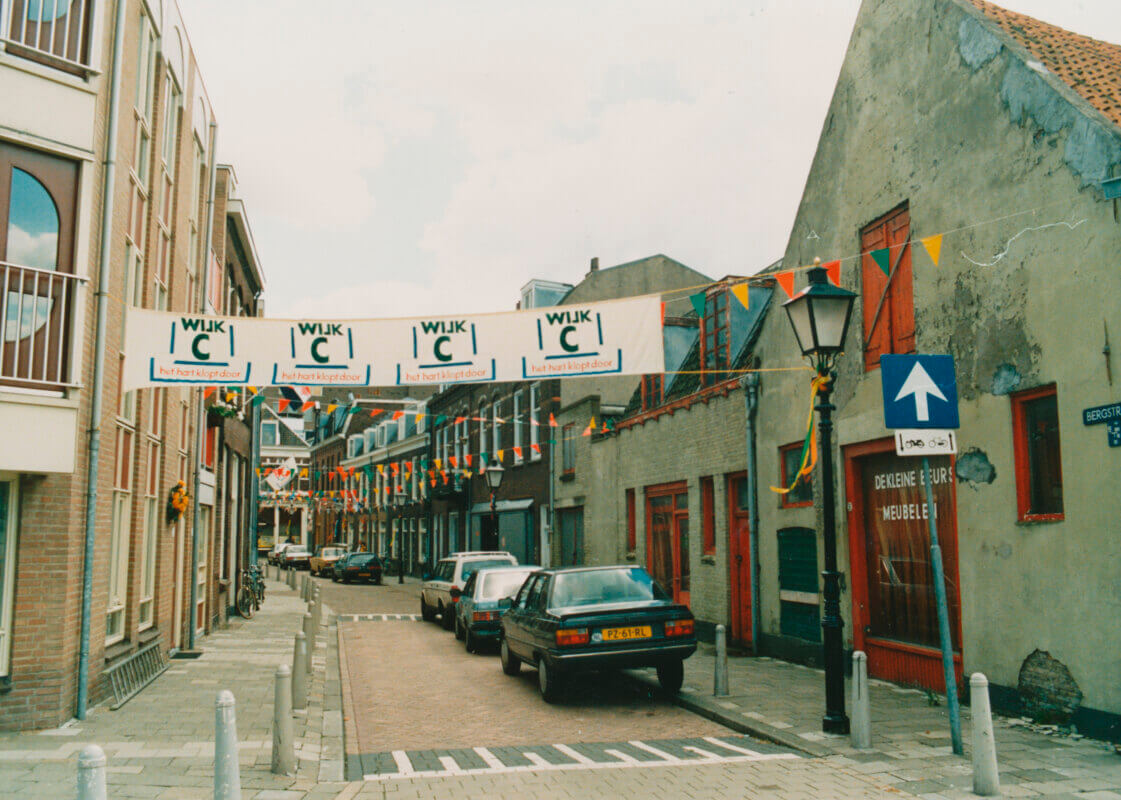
{"type": "Point", "coordinates": [986, 778]}
{"type": "Point", "coordinates": [283, 745]}
{"type": "Point", "coordinates": [720, 668]}
{"type": "Point", "coordinates": [91, 773]}
{"type": "Point", "coordinates": [309, 636]}
{"type": "Point", "coordinates": [861, 731]}
{"type": "Point", "coordinates": [299, 672]}
{"type": "Point", "coordinates": [227, 770]}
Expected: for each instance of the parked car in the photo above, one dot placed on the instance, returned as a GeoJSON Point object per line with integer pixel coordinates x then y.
{"type": "Point", "coordinates": [325, 558]}
{"type": "Point", "coordinates": [453, 572]}
{"type": "Point", "coordinates": [276, 555]}
{"type": "Point", "coordinates": [476, 608]}
{"type": "Point", "coordinates": [581, 619]}
{"type": "Point", "coordinates": [357, 567]}
{"type": "Point", "coordinates": [296, 557]}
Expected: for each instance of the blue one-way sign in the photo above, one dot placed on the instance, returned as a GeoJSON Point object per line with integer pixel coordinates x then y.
{"type": "Point", "coordinates": [920, 391]}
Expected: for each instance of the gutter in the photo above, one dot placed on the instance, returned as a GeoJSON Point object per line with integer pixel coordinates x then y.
{"type": "Point", "coordinates": [103, 269]}
{"type": "Point", "coordinates": [200, 417]}
{"type": "Point", "coordinates": [750, 383]}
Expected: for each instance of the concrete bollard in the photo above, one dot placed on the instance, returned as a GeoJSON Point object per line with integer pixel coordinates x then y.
{"type": "Point", "coordinates": [291, 579]}
{"type": "Point", "coordinates": [986, 779]}
{"type": "Point", "coordinates": [309, 636]}
{"type": "Point", "coordinates": [299, 672]}
{"type": "Point", "coordinates": [227, 770]}
{"type": "Point", "coordinates": [91, 773]}
{"type": "Point", "coordinates": [861, 731]}
{"type": "Point", "coordinates": [720, 669]}
{"type": "Point", "coordinates": [317, 607]}
{"type": "Point", "coordinates": [283, 744]}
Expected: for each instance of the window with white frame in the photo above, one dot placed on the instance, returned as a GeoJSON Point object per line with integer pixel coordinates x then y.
{"type": "Point", "coordinates": [482, 427]}
{"type": "Point", "coordinates": [518, 422]}
{"type": "Point", "coordinates": [120, 533]}
{"type": "Point", "coordinates": [534, 422]}
{"type": "Point", "coordinates": [496, 427]}
{"type": "Point", "coordinates": [150, 538]}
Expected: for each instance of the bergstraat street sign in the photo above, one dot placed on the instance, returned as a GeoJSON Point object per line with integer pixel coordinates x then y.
{"type": "Point", "coordinates": [920, 391]}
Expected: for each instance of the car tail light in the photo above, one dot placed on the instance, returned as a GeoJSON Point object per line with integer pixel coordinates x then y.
{"type": "Point", "coordinates": [571, 636]}
{"type": "Point", "coordinates": [679, 627]}
{"type": "Point", "coordinates": [484, 616]}
{"type": "Point", "coordinates": [455, 598]}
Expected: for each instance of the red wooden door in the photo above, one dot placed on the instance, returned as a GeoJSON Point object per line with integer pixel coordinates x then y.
{"type": "Point", "coordinates": [667, 538]}
{"type": "Point", "coordinates": [894, 614]}
{"type": "Point", "coordinates": [739, 560]}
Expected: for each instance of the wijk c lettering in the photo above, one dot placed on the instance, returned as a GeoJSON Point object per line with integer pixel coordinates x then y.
{"type": "Point", "coordinates": [315, 345]}
{"type": "Point", "coordinates": [438, 348]}
{"type": "Point", "coordinates": [565, 331]}
{"type": "Point", "coordinates": [198, 353]}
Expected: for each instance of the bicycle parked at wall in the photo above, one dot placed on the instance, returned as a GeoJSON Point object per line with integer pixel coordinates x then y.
{"type": "Point", "coordinates": [251, 593]}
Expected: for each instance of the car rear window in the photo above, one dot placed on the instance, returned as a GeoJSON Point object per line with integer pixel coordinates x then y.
{"type": "Point", "coordinates": [502, 584]}
{"type": "Point", "coordinates": [471, 567]}
{"type": "Point", "coordinates": [362, 560]}
{"type": "Point", "coordinates": [329, 552]}
{"type": "Point", "coordinates": [604, 586]}
{"type": "Point", "coordinates": [296, 550]}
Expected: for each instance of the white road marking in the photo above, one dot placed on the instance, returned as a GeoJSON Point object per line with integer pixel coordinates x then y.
{"type": "Point", "coordinates": [732, 747]}
{"type": "Point", "coordinates": [404, 766]}
{"type": "Point", "coordinates": [619, 754]}
{"type": "Point", "coordinates": [662, 754]}
{"type": "Point", "coordinates": [537, 760]}
{"type": "Point", "coordinates": [579, 758]}
{"type": "Point", "coordinates": [450, 766]}
{"type": "Point", "coordinates": [703, 753]}
{"type": "Point", "coordinates": [490, 758]}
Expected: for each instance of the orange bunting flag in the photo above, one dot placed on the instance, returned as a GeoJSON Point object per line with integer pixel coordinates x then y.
{"type": "Point", "coordinates": [536, 448]}
{"type": "Point", "coordinates": [452, 462]}
{"type": "Point", "coordinates": [431, 473]}
{"type": "Point", "coordinates": [398, 414]}
{"type": "Point", "coordinates": [351, 471]}
{"type": "Point", "coordinates": [282, 403]}
{"type": "Point", "coordinates": [332, 475]}
{"type": "Point", "coordinates": [376, 411]}
{"type": "Point", "coordinates": [460, 421]}
{"type": "Point", "coordinates": [310, 404]}
{"type": "Point", "coordinates": [587, 431]}
{"type": "Point", "coordinates": [433, 483]}
{"type": "Point", "coordinates": [553, 420]}
{"type": "Point", "coordinates": [786, 281]}
{"type": "Point", "coordinates": [518, 453]}
{"type": "Point", "coordinates": [209, 390]}
{"type": "Point", "coordinates": [740, 293]}
{"type": "Point", "coordinates": [444, 475]}
{"type": "Point", "coordinates": [467, 459]}
{"type": "Point", "coordinates": [393, 465]}
{"type": "Point", "coordinates": [833, 271]}
{"type": "Point", "coordinates": [933, 245]}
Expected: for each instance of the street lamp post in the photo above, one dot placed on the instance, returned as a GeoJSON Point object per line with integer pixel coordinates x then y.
{"type": "Point", "coordinates": [494, 480]}
{"type": "Point", "coordinates": [820, 316]}
{"type": "Point", "coordinates": [397, 505]}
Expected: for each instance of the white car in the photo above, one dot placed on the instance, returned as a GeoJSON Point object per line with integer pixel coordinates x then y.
{"type": "Point", "coordinates": [276, 555]}
{"type": "Point", "coordinates": [452, 573]}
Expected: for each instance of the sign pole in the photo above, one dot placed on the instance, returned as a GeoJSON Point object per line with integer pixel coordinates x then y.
{"type": "Point", "coordinates": [943, 615]}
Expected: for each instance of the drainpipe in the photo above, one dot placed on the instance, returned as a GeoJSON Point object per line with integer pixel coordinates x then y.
{"type": "Point", "coordinates": [200, 417]}
{"type": "Point", "coordinates": [108, 183]}
{"type": "Point", "coordinates": [254, 485]}
{"type": "Point", "coordinates": [750, 384]}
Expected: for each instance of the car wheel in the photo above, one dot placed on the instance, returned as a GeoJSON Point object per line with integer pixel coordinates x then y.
{"type": "Point", "coordinates": [377, 580]}
{"type": "Point", "coordinates": [548, 681]}
{"type": "Point", "coordinates": [425, 613]}
{"type": "Point", "coordinates": [334, 578]}
{"type": "Point", "coordinates": [469, 641]}
{"type": "Point", "coordinates": [510, 663]}
{"type": "Point", "coordinates": [670, 675]}
{"type": "Point", "coordinates": [446, 617]}
{"type": "Point", "coordinates": [458, 629]}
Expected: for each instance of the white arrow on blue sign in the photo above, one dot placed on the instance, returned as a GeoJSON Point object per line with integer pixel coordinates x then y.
{"type": "Point", "coordinates": [920, 391]}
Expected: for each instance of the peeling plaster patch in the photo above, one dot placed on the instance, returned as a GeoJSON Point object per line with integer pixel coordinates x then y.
{"type": "Point", "coordinates": [974, 466]}
{"type": "Point", "coordinates": [1048, 691]}
{"type": "Point", "coordinates": [977, 44]}
{"type": "Point", "coordinates": [1091, 149]}
{"type": "Point", "coordinates": [1006, 379]}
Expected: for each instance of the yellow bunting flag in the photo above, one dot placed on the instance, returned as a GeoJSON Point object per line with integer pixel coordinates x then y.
{"type": "Point", "coordinates": [331, 408]}
{"type": "Point", "coordinates": [419, 418]}
{"type": "Point", "coordinates": [500, 453]}
{"type": "Point", "coordinates": [740, 291]}
{"type": "Point", "coordinates": [933, 245]}
{"type": "Point", "coordinates": [303, 472]}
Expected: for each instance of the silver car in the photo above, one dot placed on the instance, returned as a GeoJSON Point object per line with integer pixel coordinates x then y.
{"type": "Point", "coordinates": [452, 573]}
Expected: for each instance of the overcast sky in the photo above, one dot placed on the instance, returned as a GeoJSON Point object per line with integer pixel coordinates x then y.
{"type": "Point", "coordinates": [404, 158]}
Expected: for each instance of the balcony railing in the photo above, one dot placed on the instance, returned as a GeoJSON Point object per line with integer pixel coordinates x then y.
{"type": "Point", "coordinates": [36, 315]}
{"type": "Point", "coordinates": [55, 32]}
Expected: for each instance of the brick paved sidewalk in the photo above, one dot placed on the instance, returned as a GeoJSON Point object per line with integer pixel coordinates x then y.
{"type": "Point", "coordinates": [910, 751]}
{"type": "Point", "coordinates": [160, 744]}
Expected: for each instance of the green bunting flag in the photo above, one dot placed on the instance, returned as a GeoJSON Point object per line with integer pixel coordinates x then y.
{"type": "Point", "coordinates": [882, 259]}
{"type": "Point", "coordinates": [257, 400]}
{"type": "Point", "coordinates": [441, 419]}
{"type": "Point", "coordinates": [698, 301]}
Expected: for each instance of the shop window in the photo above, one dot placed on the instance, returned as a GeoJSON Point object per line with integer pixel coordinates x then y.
{"type": "Point", "coordinates": [790, 460]}
{"type": "Point", "coordinates": [887, 299]}
{"type": "Point", "coordinates": [708, 518]}
{"type": "Point", "coordinates": [1039, 470]}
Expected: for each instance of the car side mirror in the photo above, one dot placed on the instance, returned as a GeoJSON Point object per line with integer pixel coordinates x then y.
{"type": "Point", "coordinates": [506, 603]}
{"type": "Point", "coordinates": [455, 593]}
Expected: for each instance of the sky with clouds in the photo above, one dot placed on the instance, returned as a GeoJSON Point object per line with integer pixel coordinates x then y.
{"type": "Point", "coordinates": [402, 158]}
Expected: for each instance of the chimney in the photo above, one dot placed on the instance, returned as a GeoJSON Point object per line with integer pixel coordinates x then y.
{"type": "Point", "coordinates": [595, 265]}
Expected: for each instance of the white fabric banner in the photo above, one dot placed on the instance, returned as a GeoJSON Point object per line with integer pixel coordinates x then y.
{"type": "Point", "coordinates": [620, 337]}
{"type": "Point", "coordinates": [279, 477]}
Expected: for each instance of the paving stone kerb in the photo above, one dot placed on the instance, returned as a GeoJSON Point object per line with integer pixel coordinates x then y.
{"type": "Point", "coordinates": [784, 703]}
{"type": "Point", "coordinates": [161, 743]}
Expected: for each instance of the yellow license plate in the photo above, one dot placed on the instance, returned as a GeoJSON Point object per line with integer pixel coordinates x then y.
{"type": "Point", "coordinates": [618, 634]}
